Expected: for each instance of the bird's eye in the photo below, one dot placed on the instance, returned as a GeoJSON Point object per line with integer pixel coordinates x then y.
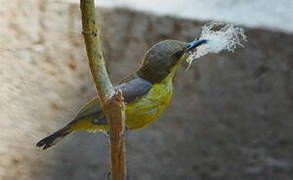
{"type": "Point", "coordinates": [178, 54]}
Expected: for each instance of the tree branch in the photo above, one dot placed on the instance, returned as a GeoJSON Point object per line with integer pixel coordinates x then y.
{"type": "Point", "coordinates": [111, 102]}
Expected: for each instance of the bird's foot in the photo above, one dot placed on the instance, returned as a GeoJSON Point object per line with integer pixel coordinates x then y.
{"type": "Point", "coordinates": [107, 133]}
{"type": "Point", "coordinates": [109, 176]}
{"type": "Point", "coordinates": [127, 131]}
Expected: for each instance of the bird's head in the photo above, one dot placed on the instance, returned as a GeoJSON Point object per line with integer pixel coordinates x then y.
{"type": "Point", "coordinates": [163, 59]}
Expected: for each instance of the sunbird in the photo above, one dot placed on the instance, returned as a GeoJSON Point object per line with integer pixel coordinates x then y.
{"type": "Point", "coordinates": [146, 92]}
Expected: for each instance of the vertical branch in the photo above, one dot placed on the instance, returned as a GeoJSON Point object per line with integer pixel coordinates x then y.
{"type": "Point", "coordinates": [117, 136]}
{"type": "Point", "coordinates": [111, 102]}
{"type": "Point", "coordinates": [94, 51]}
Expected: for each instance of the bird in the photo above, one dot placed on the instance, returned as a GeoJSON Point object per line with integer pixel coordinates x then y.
{"type": "Point", "coordinates": [146, 92]}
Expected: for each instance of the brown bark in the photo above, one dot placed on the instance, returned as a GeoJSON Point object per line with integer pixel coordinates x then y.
{"type": "Point", "coordinates": [112, 103]}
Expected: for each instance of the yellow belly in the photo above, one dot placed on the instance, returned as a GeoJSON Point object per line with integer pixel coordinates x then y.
{"type": "Point", "coordinates": [148, 109]}
{"type": "Point", "coordinates": [137, 114]}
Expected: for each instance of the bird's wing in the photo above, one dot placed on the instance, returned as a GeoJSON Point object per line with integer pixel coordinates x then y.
{"type": "Point", "coordinates": [132, 91]}
{"type": "Point", "coordinates": [91, 109]}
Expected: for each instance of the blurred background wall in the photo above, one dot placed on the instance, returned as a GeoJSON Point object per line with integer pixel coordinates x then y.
{"type": "Point", "coordinates": [231, 116]}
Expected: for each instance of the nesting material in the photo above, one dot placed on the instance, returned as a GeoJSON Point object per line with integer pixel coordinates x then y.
{"type": "Point", "coordinates": [219, 37]}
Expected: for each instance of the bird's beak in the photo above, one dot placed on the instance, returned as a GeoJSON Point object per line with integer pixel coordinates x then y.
{"type": "Point", "coordinates": [191, 45]}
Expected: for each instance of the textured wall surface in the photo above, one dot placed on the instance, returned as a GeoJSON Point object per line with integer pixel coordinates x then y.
{"type": "Point", "coordinates": [230, 117]}
{"type": "Point", "coordinates": [271, 14]}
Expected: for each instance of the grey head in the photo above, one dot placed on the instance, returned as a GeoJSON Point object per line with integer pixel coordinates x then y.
{"type": "Point", "coordinates": [164, 58]}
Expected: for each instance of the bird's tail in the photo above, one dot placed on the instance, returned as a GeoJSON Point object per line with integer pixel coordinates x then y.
{"type": "Point", "coordinates": [53, 138]}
